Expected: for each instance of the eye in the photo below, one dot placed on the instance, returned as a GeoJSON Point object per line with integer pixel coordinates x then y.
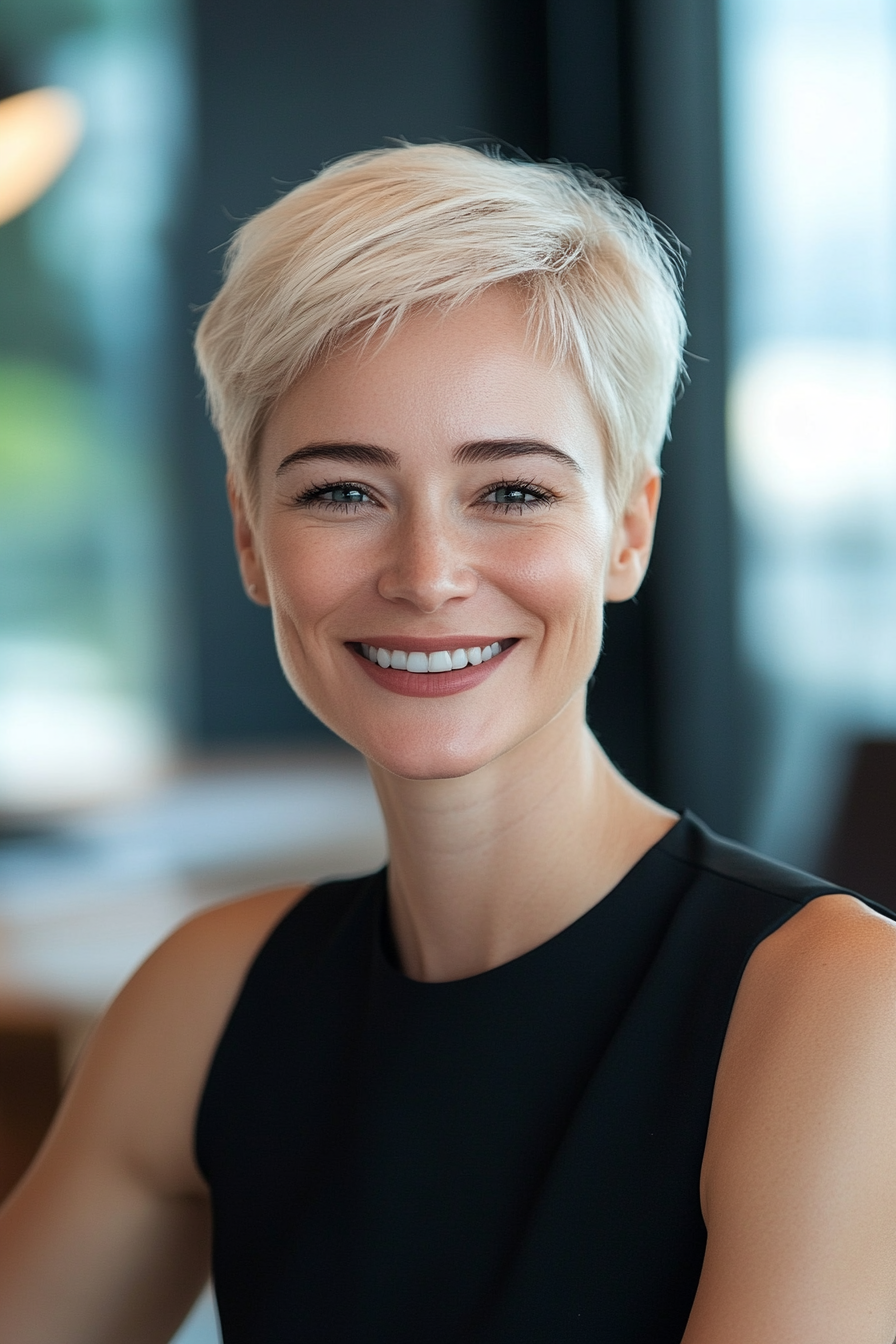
{"type": "Point", "coordinates": [345, 496]}
{"type": "Point", "coordinates": [515, 496]}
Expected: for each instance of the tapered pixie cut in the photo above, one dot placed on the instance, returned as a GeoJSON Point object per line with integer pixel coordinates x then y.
{"type": "Point", "coordinates": [345, 257]}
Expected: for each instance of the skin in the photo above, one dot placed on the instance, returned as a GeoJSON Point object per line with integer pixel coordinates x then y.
{"type": "Point", "coordinates": [505, 823]}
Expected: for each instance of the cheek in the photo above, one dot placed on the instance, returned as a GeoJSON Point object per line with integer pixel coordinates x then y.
{"type": "Point", "coordinates": [309, 575]}
{"type": "Point", "coordinates": [560, 573]}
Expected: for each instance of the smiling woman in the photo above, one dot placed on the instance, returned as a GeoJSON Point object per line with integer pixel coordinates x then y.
{"type": "Point", "coordinates": [571, 1067]}
{"type": "Point", "coordinates": [478, 490]}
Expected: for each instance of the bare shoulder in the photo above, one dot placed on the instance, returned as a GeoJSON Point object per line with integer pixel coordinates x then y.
{"type": "Point", "coordinates": [836, 931]}
{"type": "Point", "coordinates": [831, 966]}
{"type": "Point", "coordinates": [138, 1086]}
{"type": "Point", "coordinates": [197, 971]}
{"type": "Point", "coordinates": [799, 1173]}
{"type": "Point", "coordinates": [823, 986]}
{"type": "Point", "coordinates": [208, 955]}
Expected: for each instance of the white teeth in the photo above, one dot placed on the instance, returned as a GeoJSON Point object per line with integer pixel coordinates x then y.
{"type": "Point", "coordinates": [443, 660]}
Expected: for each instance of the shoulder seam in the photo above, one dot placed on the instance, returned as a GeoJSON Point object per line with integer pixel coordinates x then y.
{"type": "Point", "coordinates": [823, 889]}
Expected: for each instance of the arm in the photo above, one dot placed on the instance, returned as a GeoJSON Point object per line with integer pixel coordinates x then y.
{"type": "Point", "coordinates": [106, 1240]}
{"type": "Point", "coordinates": [799, 1175]}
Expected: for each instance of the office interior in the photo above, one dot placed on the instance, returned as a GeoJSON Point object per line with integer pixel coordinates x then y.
{"type": "Point", "coordinates": [152, 757]}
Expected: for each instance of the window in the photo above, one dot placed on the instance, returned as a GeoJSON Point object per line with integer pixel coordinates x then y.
{"type": "Point", "coordinates": [83, 647]}
{"type": "Point", "coordinates": [810, 135]}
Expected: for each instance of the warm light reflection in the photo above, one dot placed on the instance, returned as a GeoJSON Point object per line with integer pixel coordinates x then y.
{"type": "Point", "coordinates": [39, 132]}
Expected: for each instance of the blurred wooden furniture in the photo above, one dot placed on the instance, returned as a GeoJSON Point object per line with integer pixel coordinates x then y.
{"type": "Point", "coordinates": [30, 1084]}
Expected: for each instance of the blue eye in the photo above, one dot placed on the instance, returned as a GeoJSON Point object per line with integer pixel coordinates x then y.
{"type": "Point", "coordinates": [343, 496]}
{"type": "Point", "coordinates": [513, 494]}
{"type": "Point", "coordinates": [517, 496]}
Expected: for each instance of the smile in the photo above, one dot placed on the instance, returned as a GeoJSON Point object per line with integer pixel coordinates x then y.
{"type": "Point", "coordinates": [448, 671]}
{"type": "Point", "coordinates": [441, 660]}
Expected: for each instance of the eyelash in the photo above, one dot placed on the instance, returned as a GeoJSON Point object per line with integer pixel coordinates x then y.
{"type": "Point", "coordinates": [541, 498]}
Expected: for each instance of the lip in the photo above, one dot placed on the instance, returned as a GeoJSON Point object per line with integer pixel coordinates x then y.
{"type": "Point", "coordinates": [426, 685]}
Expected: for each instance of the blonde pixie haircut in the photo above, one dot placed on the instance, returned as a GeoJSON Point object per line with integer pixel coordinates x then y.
{"type": "Point", "coordinates": [344, 257]}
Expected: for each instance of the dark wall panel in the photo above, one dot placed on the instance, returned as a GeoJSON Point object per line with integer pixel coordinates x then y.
{"type": "Point", "coordinates": [584, 71]}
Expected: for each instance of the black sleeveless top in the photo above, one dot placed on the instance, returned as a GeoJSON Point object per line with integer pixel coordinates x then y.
{"type": "Point", "coordinates": [512, 1158]}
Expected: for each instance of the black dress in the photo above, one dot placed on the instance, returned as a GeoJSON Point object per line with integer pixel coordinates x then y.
{"type": "Point", "coordinates": [512, 1158]}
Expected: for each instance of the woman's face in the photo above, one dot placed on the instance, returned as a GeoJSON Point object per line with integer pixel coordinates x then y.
{"type": "Point", "coordinates": [441, 495]}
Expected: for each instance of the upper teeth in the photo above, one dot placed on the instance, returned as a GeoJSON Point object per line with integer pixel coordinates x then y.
{"type": "Point", "coordinates": [446, 660]}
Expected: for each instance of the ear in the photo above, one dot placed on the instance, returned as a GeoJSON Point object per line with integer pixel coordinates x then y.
{"type": "Point", "coordinates": [251, 568]}
{"type": "Point", "coordinates": [633, 542]}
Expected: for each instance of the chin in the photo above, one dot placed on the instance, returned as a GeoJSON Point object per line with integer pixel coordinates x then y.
{"type": "Point", "coordinates": [430, 760]}
{"type": "Point", "coordinates": [426, 769]}
{"type": "Point", "coordinates": [428, 751]}
{"type": "Point", "coordinates": [446, 738]}
{"type": "Point", "coordinates": [412, 739]}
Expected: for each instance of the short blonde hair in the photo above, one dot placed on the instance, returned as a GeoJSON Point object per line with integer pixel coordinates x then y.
{"type": "Point", "coordinates": [378, 234]}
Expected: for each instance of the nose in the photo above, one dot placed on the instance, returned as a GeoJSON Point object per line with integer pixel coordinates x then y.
{"type": "Point", "coordinates": [427, 564]}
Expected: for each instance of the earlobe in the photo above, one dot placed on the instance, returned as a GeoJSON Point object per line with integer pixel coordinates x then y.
{"type": "Point", "coordinates": [633, 542]}
{"type": "Point", "coordinates": [251, 569]}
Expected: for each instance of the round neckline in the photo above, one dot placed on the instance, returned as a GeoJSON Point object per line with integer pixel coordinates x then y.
{"type": "Point", "coordinates": [387, 949]}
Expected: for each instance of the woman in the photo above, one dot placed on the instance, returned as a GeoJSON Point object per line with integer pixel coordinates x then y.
{"type": "Point", "coordinates": [573, 1068]}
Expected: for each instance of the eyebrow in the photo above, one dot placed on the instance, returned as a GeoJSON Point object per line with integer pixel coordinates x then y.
{"type": "Point", "coordinates": [496, 450]}
{"type": "Point", "coordinates": [359, 454]}
{"type": "Point", "coordinates": [478, 450]}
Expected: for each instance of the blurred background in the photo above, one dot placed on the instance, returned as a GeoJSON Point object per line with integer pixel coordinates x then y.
{"type": "Point", "coordinates": [152, 758]}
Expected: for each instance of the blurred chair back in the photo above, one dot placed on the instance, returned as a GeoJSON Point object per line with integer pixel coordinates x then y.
{"type": "Point", "coordinates": [862, 849]}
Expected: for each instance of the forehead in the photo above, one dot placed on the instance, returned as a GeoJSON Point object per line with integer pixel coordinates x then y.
{"type": "Point", "coordinates": [439, 380]}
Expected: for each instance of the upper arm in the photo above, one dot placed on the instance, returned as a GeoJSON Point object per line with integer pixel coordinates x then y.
{"type": "Point", "coordinates": [106, 1240]}
{"type": "Point", "coordinates": [799, 1181]}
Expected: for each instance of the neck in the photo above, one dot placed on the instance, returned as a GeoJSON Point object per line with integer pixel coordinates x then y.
{"type": "Point", "coordinates": [487, 866]}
